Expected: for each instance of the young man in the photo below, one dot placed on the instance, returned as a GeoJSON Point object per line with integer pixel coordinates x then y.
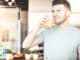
{"type": "Point", "coordinates": [61, 42]}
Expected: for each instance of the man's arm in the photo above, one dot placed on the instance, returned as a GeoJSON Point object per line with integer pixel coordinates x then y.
{"type": "Point", "coordinates": [31, 38]}
{"type": "Point", "coordinates": [30, 44]}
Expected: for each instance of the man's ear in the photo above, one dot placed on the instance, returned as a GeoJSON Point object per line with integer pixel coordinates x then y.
{"type": "Point", "coordinates": [68, 13]}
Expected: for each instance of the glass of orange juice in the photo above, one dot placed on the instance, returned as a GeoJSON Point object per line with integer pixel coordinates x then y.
{"type": "Point", "coordinates": [50, 21]}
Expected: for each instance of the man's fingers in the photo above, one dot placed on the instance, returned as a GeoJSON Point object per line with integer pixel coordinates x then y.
{"type": "Point", "coordinates": [44, 22]}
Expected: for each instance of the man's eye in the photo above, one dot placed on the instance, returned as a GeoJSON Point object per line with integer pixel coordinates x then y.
{"type": "Point", "coordinates": [52, 11]}
{"type": "Point", "coordinates": [58, 10]}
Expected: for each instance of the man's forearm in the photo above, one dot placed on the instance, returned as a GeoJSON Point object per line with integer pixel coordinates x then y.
{"type": "Point", "coordinates": [29, 40]}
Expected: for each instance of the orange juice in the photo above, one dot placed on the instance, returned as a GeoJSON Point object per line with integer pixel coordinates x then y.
{"type": "Point", "coordinates": [49, 23]}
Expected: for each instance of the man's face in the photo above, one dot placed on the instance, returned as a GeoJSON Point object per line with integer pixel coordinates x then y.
{"type": "Point", "coordinates": [60, 13]}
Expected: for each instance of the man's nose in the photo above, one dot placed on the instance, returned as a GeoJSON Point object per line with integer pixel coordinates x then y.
{"type": "Point", "coordinates": [55, 14]}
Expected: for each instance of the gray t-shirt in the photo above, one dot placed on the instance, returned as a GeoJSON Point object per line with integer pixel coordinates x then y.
{"type": "Point", "coordinates": [60, 43]}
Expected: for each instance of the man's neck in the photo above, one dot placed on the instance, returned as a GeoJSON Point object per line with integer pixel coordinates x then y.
{"type": "Point", "coordinates": [65, 24]}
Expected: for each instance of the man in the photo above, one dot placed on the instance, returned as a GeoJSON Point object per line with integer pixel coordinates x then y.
{"type": "Point", "coordinates": [61, 42]}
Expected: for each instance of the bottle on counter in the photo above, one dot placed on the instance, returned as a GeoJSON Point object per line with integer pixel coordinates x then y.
{"type": "Point", "coordinates": [31, 57]}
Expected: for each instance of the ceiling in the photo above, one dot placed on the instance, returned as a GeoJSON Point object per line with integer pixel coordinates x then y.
{"type": "Point", "coordinates": [23, 4]}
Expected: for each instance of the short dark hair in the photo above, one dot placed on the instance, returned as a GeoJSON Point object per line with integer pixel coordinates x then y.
{"type": "Point", "coordinates": [65, 2]}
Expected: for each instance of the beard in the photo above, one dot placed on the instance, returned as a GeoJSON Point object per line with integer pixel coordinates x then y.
{"type": "Point", "coordinates": [59, 21]}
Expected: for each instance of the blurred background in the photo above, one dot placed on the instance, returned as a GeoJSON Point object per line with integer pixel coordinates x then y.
{"type": "Point", "coordinates": [13, 24]}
